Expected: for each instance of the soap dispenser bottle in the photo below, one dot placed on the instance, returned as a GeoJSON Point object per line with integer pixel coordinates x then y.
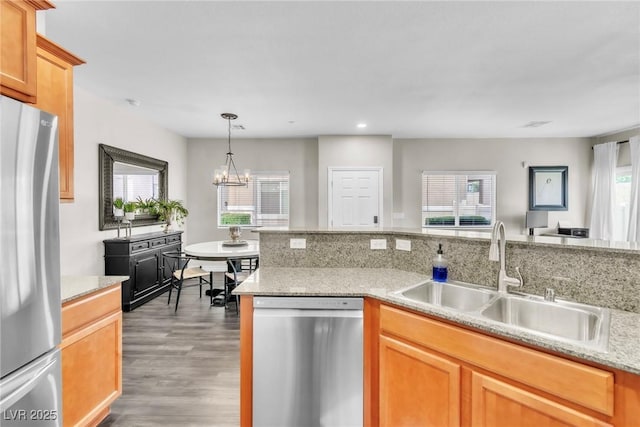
{"type": "Point", "coordinates": [439, 266]}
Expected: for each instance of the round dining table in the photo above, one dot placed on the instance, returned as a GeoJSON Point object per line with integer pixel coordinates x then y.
{"type": "Point", "coordinates": [221, 250]}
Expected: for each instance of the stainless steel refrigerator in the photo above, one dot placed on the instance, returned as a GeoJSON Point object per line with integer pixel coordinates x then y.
{"type": "Point", "coordinates": [30, 307]}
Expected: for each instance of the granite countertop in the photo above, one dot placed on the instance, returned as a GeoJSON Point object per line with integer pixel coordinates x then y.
{"type": "Point", "coordinates": [624, 339]}
{"type": "Point", "coordinates": [73, 287]}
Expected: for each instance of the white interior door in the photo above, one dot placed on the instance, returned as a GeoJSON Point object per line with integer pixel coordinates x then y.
{"type": "Point", "coordinates": [355, 197]}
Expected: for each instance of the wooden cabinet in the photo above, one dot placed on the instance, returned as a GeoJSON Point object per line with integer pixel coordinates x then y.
{"type": "Point", "coordinates": [55, 95]}
{"type": "Point", "coordinates": [421, 371]}
{"type": "Point", "coordinates": [140, 258]}
{"type": "Point", "coordinates": [91, 351]}
{"type": "Point", "coordinates": [417, 388]}
{"type": "Point", "coordinates": [18, 73]}
{"type": "Point", "coordinates": [494, 401]}
{"type": "Point", "coordinates": [434, 373]}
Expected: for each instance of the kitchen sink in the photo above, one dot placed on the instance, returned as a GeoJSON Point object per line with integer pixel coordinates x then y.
{"type": "Point", "coordinates": [560, 320]}
{"type": "Point", "coordinates": [456, 297]}
{"type": "Point", "coordinates": [563, 320]}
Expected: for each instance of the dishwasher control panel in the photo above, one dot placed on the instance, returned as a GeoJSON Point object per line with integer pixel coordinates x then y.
{"type": "Point", "coordinates": [309, 303]}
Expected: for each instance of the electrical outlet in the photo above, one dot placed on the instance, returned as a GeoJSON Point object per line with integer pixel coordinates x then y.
{"type": "Point", "coordinates": [378, 243]}
{"type": "Point", "coordinates": [403, 245]}
{"type": "Point", "coordinates": [298, 243]}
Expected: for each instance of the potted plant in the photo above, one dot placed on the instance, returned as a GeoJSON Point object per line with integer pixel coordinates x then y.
{"type": "Point", "coordinates": [130, 210]}
{"type": "Point", "coordinates": [145, 206]}
{"type": "Point", "coordinates": [118, 207]}
{"type": "Point", "coordinates": [170, 211]}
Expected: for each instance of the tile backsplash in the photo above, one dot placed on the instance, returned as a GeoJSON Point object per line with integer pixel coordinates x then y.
{"type": "Point", "coordinates": [592, 276]}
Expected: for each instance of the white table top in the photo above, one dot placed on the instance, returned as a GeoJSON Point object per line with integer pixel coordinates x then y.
{"type": "Point", "coordinates": [216, 251]}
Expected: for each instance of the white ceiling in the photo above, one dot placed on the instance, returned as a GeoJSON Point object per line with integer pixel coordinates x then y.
{"type": "Point", "coordinates": [407, 69]}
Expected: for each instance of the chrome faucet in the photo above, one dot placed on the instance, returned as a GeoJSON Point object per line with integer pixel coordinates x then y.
{"type": "Point", "coordinates": [499, 254]}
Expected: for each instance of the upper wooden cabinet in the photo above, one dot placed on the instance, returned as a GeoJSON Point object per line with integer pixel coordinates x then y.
{"type": "Point", "coordinates": [18, 47]}
{"type": "Point", "coordinates": [55, 95]}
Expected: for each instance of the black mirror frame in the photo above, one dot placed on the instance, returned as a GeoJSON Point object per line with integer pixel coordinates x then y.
{"type": "Point", "coordinates": [563, 188]}
{"type": "Point", "coordinates": [107, 156]}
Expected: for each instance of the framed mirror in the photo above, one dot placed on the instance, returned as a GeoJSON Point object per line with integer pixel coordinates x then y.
{"type": "Point", "coordinates": [131, 176]}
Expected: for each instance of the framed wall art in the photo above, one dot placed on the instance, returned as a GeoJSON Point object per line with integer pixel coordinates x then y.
{"type": "Point", "coordinates": [548, 188]}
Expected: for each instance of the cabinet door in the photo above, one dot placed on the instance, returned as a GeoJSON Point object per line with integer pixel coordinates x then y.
{"type": "Point", "coordinates": [417, 388]}
{"type": "Point", "coordinates": [146, 268]}
{"type": "Point", "coordinates": [55, 95]}
{"type": "Point", "coordinates": [18, 50]}
{"type": "Point", "coordinates": [494, 403]}
{"type": "Point", "coordinates": [91, 356]}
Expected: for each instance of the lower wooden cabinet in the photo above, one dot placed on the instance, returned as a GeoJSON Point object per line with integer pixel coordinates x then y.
{"type": "Point", "coordinates": [493, 402]}
{"type": "Point", "coordinates": [417, 388]}
{"type": "Point", "coordinates": [91, 356]}
{"type": "Point", "coordinates": [431, 373]}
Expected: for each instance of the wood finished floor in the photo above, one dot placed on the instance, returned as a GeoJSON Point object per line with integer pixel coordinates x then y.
{"type": "Point", "coordinates": [179, 369]}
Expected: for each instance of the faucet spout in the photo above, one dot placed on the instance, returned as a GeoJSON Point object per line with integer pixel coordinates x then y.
{"type": "Point", "coordinates": [497, 252]}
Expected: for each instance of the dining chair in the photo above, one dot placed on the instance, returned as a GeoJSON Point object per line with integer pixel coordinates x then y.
{"type": "Point", "coordinates": [239, 269]}
{"type": "Point", "coordinates": [178, 262]}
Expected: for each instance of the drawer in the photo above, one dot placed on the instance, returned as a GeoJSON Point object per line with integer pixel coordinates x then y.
{"type": "Point", "coordinates": [157, 242]}
{"type": "Point", "coordinates": [85, 310]}
{"type": "Point", "coordinates": [173, 239]}
{"type": "Point", "coordinates": [575, 382]}
{"type": "Point", "coordinates": [139, 246]}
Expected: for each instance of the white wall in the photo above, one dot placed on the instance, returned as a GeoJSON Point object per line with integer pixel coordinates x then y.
{"type": "Point", "coordinates": [355, 151]}
{"type": "Point", "coordinates": [505, 156]}
{"type": "Point", "coordinates": [98, 121]}
{"type": "Point", "coordinates": [298, 156]}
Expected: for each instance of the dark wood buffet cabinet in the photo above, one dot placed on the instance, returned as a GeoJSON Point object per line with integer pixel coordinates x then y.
{"type": "Point", "coordinates": [140, 258]}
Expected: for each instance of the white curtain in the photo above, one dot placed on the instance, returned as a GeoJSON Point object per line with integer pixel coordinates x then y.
{"type": "Point", "coordinates": [604, 190]}
{"type": "Point", "coordinates": [634, 205]}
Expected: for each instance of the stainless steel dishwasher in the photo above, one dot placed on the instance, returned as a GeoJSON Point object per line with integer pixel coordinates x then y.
{"type": "Point", "coordinates": [307, 362]}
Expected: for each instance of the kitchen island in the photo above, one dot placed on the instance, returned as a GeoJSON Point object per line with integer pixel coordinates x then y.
{"type": "Point", "coordinates": [426, 364]}
{"type": "Point", "coordinates": [91, 347]}
{"type": "Point", "coordinates": [535, 372]}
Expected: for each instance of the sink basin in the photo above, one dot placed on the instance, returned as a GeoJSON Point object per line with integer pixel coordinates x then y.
{"type": "Point", "coordinates": [456, 297]}
{"type": "Point", "coordinates": [571, 322]}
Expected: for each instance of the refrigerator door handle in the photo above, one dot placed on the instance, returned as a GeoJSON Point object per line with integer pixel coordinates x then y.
{"type": "Point", "coordinates": [30, 378]}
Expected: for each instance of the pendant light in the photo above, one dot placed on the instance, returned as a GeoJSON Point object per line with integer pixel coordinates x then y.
{"type": "Point", "coordinates": [227, 175]}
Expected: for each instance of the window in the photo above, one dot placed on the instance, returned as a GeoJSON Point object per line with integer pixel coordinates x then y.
{"type": "Point", "coordinates": [131, 182]}
{"type": "Point", "coordinates": [458, 199]}
{"type": "Point", "coordinates": [264, 201]}
{"type": "Point", "coordinates": [622, 203]}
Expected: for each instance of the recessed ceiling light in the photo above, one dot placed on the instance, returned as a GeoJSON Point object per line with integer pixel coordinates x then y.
{"type": "Point", "coordinates": [535, 124]}
{"type": "Point", "coordinates": [362, 125]}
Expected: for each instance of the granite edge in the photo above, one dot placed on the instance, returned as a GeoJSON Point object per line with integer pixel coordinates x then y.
{"type": "Point", "coordinates": [74, 287]}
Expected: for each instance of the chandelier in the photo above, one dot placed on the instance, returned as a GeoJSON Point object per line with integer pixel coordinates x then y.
{"type": "Point", "coordinates": [227, 175]}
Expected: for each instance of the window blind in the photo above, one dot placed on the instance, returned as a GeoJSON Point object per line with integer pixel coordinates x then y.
{"type": "Point", "coordinates": [263, 202]}
{"type": "Point", "coordinates": [458, 199]}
